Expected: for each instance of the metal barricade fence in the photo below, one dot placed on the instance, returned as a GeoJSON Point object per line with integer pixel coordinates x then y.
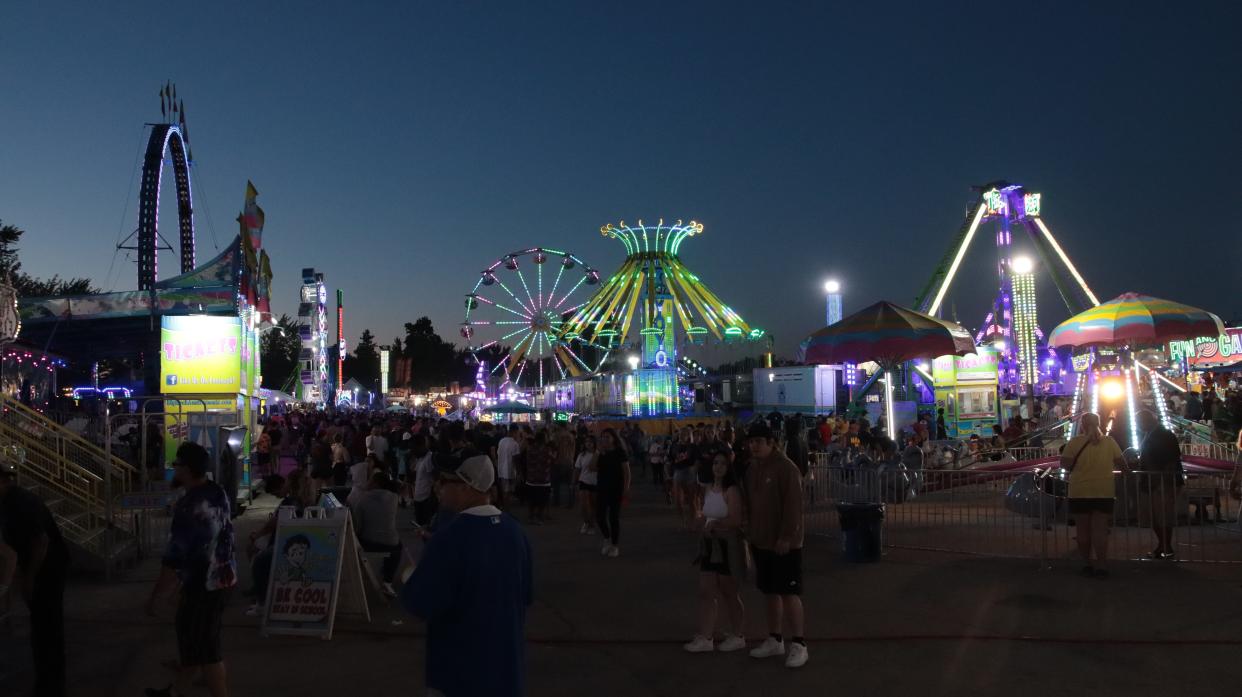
{"type": "Point", "coordinates": [1024, 514]}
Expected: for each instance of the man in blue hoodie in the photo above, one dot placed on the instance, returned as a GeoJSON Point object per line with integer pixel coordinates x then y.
{"type": "Point", "coordinates": [472, 586]}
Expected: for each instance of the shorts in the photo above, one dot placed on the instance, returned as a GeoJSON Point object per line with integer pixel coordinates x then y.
{"type": "Point", "coordinates": [583, 486]}
{"type": "Point", "coordinates": [684, 476]}
{"type": "Point", "coordinates": [714, 556]}
{"type": "Point", "coordinates": [198, 625]}
{"type": "Point", "coordinates": [778, 574]}
{"type": "Point", "coordinates": [1084, 506]}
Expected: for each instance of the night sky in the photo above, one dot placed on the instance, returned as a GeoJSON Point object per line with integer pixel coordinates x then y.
{"type": "Point", "coordinates": [401, 147]}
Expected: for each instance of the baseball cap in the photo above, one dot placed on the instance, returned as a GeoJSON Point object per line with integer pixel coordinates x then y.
{"type": "Point", "coordinates": [476, 471]}
{"type": "Point", "coordinates": [193, 457]}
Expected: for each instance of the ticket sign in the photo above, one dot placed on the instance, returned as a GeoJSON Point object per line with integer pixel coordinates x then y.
{"type": "Point", "coordinates": [977, 368]}
{"type": "Point", "coordinates": [200, 354]}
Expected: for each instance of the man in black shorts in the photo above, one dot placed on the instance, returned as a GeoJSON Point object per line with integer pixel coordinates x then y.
{"type": "Point", "coordinates": [774, 528]}
{"type": "Point", "coordinates": [200, 556]}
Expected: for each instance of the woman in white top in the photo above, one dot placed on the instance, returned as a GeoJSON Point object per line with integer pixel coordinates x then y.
{"type": "Point", "coordinates": [360, 476]}
{"type": "Point", "coordinates": [722, 560]}
{"type": "Point", "coordinates": [588, 477]}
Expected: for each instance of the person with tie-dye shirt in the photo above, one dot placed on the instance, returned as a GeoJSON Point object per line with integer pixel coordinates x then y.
{"type": "Point", "coordinates": [199, 556]}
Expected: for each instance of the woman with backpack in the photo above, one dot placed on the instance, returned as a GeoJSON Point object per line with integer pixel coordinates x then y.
{"type": "Point", "coordinates": [722, 559]}
{"type": "Point", "coordinates": [1090, 458]}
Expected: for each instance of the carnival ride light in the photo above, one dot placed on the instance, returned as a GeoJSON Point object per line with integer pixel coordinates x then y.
{"type": "Point", "coordinates": [1065, 260]}
{"type": "Point", "coordinates": [1112, 389]}
{"type": "Point", "coordinates": [1130, 408]}
{"type": "Point", "coordinates": [957, 260]}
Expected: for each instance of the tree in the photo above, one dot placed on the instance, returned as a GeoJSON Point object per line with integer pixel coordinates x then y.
{"type": "Point", "coordinates": [363, 364]}
{"type": "Point", "coordinates": [278, 354]}
{"type": "Point", "coordinates": [28, 286]}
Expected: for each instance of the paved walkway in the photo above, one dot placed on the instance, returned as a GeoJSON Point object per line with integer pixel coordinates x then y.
{"type": "Point", "coordinates": [918, 623]}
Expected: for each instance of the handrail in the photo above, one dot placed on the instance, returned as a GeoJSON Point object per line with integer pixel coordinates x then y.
{"type": "Point", "coordinates": [64, 433]}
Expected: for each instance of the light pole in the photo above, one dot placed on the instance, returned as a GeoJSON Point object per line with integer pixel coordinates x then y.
{"type": "Point", "coordinates": [832, 289]}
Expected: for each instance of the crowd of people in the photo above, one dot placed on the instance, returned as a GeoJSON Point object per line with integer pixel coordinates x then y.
{"type": "Point", "coordinates": [737, 489]}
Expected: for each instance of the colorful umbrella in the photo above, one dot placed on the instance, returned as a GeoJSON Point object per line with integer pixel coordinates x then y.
{"type": "Point", "coordinates": [887, 334]}
{"type": "Point", "coordinates": [1135, 319]}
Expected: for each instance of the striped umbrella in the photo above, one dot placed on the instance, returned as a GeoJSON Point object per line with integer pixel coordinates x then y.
{"type": "Point", "coordinates": [1135, 319]}
{"type": "Point", "coordinates": [887, 334]}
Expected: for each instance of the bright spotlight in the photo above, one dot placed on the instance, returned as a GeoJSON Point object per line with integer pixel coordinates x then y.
{"type": "Point", "coordinates": [1112, 390]}
{"type": "Point", "coordinates": [832, 287]}
{"type": "Point", "coordinates": [633, 360]}
{"type": "Point", "coordinates": [1023, 265]}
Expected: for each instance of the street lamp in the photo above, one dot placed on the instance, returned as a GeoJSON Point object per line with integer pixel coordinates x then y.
{"type": "Point", "coordinates": [832, 288]}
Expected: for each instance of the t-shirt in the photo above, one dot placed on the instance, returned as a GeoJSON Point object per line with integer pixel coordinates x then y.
{"type": "Point", "coordinates": [1092, 475]}
{"type": "Point", "coordinates": [200, 541]}
{"type": "Point", "coordinates": [506, 452]}
{"type": "Point", "coordinates": [539, 465]}
{"type": "Point", "coordinates": [424, 477]}
{"type": "Point", "coordinates": [377, 445]}
{"type": "Point", "coordinates": [23, 517]}
{"type": "Point", "coordinates": [472, 586]}
{"type": "Point", "coordinates": [1160, 452]}
{"type": "Point", "coordinates": [610, 470]}
{"type": "Point", "coordinates": [588, 476]}
{"type": "Point", "coordinates": [375, 516]}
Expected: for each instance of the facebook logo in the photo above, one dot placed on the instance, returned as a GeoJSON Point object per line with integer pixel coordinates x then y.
{"type": "Point", "coordinates": [170, 379]}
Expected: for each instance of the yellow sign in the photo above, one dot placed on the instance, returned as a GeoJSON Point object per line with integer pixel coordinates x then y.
{"type": "Point", "coordinates": [200, 354]}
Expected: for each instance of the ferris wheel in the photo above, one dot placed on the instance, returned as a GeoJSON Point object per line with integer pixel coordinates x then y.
{"type": "Point", "coordinates": [515, 313]}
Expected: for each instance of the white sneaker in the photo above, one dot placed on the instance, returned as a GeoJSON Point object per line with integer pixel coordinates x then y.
{"type": "Point", "coordinates": [796, 658]}
{"type": "Point", "coordinates": [603, 551]}
{"type": "Point", "coordinates": [732, 642]}
{"type": "Point", "coordinates": [701, 644]}
{"type": "Point", "coordinates": [614, 551]}
{"type": "Point", "coordinates": [254, 610]}
{"type": "Point", "coordinates": [770, 647]}
{"type": "Point", "coordinates": [584, 529]}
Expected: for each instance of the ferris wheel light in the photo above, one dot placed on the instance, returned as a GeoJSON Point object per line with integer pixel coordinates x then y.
{"type": "Point", "coordinates": [1023, 264]}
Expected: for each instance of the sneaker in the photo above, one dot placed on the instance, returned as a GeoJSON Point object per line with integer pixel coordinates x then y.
{"type": "Point", "coordinates": [584, 529]}
{"type": "Point", "coordinates": [701, 644]}
{"type": "Point", "coordinates": [796, 658]}
{"type": "Point", "coordinates": [603, 551]}
{"type": "Point", "coordinates": [769, 647]}
{"type": "Point", "coordinates": [732, 642]}
{"type": "Point", "coordinates": [614, 551]}
{"type": "Point", "coordinates": [590, 530]}
{"type": "Point", "coordinates": [388, 590]}
{"type": "Point", "coordinates": [254, 610]}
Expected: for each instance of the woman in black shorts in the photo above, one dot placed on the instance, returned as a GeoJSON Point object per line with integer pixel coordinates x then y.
{"type": "Point", "coordinates": [1090, 458]}
{"type": "Point", "coordinates": [722, 558]}
{"type": "Point", "coordinates": [586, 473]}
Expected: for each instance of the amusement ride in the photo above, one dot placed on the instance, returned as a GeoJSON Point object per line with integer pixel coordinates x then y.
{"type": "Point", "coordinates": [638, 308]}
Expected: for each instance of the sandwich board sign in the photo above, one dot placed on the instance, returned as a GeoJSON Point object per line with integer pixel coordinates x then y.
{"type": "Point", "coordinates": [315, 573]}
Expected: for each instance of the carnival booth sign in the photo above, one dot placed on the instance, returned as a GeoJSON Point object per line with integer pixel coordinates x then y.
{"type": "Point", "coordinates": [315, 574]}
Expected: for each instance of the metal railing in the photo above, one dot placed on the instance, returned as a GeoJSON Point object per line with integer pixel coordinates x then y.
{"type": "Point", "coordinates": [1025, 514]}
{"type": "Point", "coordinates": [79, 478]}
{"type": "Point", "coordinates": [1225, 452]}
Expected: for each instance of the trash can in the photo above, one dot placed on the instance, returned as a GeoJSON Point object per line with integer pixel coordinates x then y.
{"type": "Point", "coordinates": [862, 531]}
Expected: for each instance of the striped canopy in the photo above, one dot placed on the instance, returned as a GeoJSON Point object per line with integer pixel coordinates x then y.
{"type": "Point", "coordinates": [887, 334]}
{"type": "Point", "coordinates": [1135, 319]}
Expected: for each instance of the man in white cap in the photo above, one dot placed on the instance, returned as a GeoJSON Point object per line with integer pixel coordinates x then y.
{"type": "Point", "coordinates": [472, 586]}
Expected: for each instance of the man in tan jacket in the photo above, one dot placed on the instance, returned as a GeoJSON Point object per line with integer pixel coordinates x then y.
{"type": "Point", "coordinates": [774, 529]}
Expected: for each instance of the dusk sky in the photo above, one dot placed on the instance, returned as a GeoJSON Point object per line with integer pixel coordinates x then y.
{"type": "Point", "coordinates": [401, 147]}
